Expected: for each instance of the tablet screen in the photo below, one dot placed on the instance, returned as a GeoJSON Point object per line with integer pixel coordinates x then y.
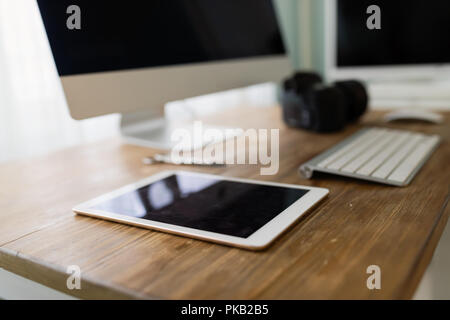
{"type": "Point", "coordinates": [205, 203]}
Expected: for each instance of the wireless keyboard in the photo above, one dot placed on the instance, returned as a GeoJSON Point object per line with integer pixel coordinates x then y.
{"type": "Point", "coordinates": [376, 154]}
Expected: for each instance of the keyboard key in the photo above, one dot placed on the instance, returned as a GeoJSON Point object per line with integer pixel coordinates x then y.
{"type": "Point", "coordinates": [404, 170]}
{"type": "Point", "coordinates": [356, 151]}
{"type": "Point", "coordinates": [385, 153]}
{"type": "Point", "coordinates": [358, 162]}
{"type": "Point", "coordinates": [346, 148]}
{"type": "Point", "coordinates": [391, 163]}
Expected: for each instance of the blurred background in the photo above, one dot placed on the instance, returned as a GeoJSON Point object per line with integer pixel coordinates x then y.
{"type": "Point", "coordinates": [33, 114]}
{"type": "Point", "coordinates": [34, 118]}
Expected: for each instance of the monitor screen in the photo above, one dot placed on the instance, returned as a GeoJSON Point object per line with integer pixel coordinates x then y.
{"type": "Point", "coordinates": [412, 32]}
{"type": "Point", "coordinates": [118, 35]}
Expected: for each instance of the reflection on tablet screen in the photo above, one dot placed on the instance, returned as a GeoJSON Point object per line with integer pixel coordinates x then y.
{"type": "Point", "coordinates": [227, 207]}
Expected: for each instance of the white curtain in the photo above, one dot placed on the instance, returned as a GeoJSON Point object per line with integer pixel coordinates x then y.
{"type": "Point", "coordinates": [33, 114]}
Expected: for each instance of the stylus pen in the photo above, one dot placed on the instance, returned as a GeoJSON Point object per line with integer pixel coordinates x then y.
{"type": "Point", "coordinates": [166, 159]}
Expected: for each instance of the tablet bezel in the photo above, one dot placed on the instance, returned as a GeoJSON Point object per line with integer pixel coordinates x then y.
{"type": "Point", "coordinates": [259, 240]}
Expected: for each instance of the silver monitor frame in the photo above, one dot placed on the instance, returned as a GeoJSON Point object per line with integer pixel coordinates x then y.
{"type": "Point", "coordinates": [139, 95]}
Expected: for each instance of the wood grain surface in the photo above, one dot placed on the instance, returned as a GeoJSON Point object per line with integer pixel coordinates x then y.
{"type": "Point", "coordinates": [325, 255]}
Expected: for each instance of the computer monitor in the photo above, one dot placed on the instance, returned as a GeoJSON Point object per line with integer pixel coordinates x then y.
{"type": "Point", "coordinates": [133, 57]}
{"type": "Point", "coordinates": [410, 44]}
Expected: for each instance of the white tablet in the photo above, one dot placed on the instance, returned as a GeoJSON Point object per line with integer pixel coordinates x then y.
{"type": "Point", "coordinates": [238, 212]}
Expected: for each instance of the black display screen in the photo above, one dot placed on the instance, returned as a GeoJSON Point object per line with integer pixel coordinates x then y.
{"type": "Point", "coordinates": [204, 203]}
{"type": "Point", "coordinates": [412, 32]}
{"type": "Point", "coordinates": [117, 35]}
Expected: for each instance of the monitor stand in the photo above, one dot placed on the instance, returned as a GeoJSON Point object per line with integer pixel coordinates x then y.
{"type": "Point", "coordinates": [155, 131]}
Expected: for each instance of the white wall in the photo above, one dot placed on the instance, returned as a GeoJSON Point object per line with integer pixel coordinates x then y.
{"type": "Point", "coordinates": [13, 287]}
{"type": "Point", "coordinates": [33, 113]}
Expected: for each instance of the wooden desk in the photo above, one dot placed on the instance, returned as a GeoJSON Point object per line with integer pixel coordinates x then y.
{"type": "Point", "coordinates": [325, 255]}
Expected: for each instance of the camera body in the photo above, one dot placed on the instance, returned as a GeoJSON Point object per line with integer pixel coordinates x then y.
{"type": "Point", "coordinates": [309, 104]}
